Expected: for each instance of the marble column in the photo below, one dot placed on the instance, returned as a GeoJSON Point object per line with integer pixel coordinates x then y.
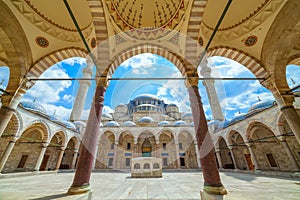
{"type": "Point", "coordinates": [177, 154]}
{"type": "Point", "coordinates": [60, 157]}
{"type": "Point", "coordinates": [10, 104]}
{"type": "Point", "coordinates": [6, 153]}
{"type": "Point", "coordinates": [116, 148]}
{"type": "Point", "coordinates": [82, 92]}
{"type": "Point", "coordinates": [81, 181]}
{"type": "Point", "coordinates": [41, 157]}
{"type": "Point", "coordinates": [212, 181]}
{"type": "Point", "coordinates": [233, 158]}
{"type": "Point", "coordinates": [290, 155]}
{"type": "Point", "coordinates": [197, 154]}
{"type": "Point", "coordinates": [74, 159]}
{"type": "Point", "coordinates": [157, 154]}
{"type": "Point", "coordinates": [253, 157]}
{"type": "Point", "coordinates": [285, 102]}
{"type": "Point", "coordinates": [293, 119]}
{"type": "Point", "coordinates": [219, 158]}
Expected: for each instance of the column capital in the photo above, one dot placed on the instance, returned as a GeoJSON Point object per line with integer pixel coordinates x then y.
{"type": "Point", "coordinates": [191, 81]}
{"type": "Point", "coordinates": [45, 144]}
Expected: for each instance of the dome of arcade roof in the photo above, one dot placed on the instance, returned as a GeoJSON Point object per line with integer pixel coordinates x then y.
{"type": "Point", "coordinates": [261, 105]}
{"type": "Point", "coordinates": [180, 123]}
{"type": "Point", "coordinates": [33, 106]}
{"type": "Point", "coordinates": [112, 124]}
{"type": "Point", "coordinates": [128, 124]}
{"type": "Point", "coordinates": [164, 123]}
{"type": "Point", "coordinates": [146, 120]}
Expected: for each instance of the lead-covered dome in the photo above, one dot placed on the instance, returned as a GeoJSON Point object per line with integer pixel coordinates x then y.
{"type": "Point", "coordinates": [107, 115]}
{"type": "Point", "coordinates": [180, 123]}
{"type": "Point", "coordinates": [146, 120]}
{"type": "Point", "coordinates": [68, 124]}
{"type": "Point", "coordinates": [34, 106]}
{"type": "Point", "coordinates": [164, 123]}
{"type": "Point", "coordinates": [112, 124]}
{"type": "Point", "coordinates": [128, 124]}
{"type": "Point", "coordinates": [261, 105]}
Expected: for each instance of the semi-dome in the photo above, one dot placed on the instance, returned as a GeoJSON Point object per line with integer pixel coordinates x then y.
{"type": "Point", "coordinates": [164, 123]}
{"type": "Point", "coordinates": [171, 105]}
{"type": "Point", "coordinates": [146, 120]}
{"type": "Point", "coordinates": [107, 115]}
{"type": "Point", "coordinates": [128, 124]}
{"type": "Point", "coordinates": [214, 122]}
{"type": "Point", "coordinates": [34, 106]}
{"type": "Point", "coordinates": [111, 124]}
{"type": "Point", "coordinates": [80, 123]}
{"type": "Point", "coordinates": [180, 123]}
{"type": "Point", "coordinates": [261, 105]}
{"type": "Point", "coordinates": [55, 117]}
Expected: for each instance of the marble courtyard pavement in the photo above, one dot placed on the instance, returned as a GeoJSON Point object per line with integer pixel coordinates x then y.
{"type": "Point", "coordinates": [175, 186]}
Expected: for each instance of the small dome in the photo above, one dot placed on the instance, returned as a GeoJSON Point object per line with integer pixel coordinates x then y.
{"type": "Point", "coordinates": [171, 104]}
{"type": "Point", "coordinates": [68, 124]}
{"type": "Point", "coordinates": [146, 120]}
{"type": "Point", "coordinates": [224, 124]}
{"type": "Point", "coordinates": [107, 115]}
{"type": "Point", "coordinates": [238, 117]}
{"type": "Point", "coordinates": [80, 123]}
{"type": "Point", "coordinates": [128, 124]}
{"type": "Point", "coordinates": [112, 124]}
{"type": "Point", "coordinates": [261, 105]}
{"type": "Point", "coordinates": [164, 123]}
{"type": "Point", "coordinates": [214, 122]}
{"type": "Point", "coordinates": [180, 123]}
{"type": "Point", "coordinates": [187, 116]}
{"type": "Point", "coordinates": [55, 117]}
{"type": "Point", "coordinates": [34, 106]}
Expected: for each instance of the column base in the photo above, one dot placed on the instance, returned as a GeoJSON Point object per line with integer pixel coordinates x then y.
{"type": "Point", "coordinates": [215, 190]}
{"type": "Point", "coordinates": [79, 189]}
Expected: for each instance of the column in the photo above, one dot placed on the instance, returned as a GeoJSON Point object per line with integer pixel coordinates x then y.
{"type": "Point", "coordinates": [81, 181]}
{"type": "Point", "coordinates": [233, 158]}
{"type": "Point", "coordinates": [285, 102]}
{"type": "Point", "coordinates": [6, 153]}
{"type": "Point", "coordinates": [211, 92]}
{"type": "Point", "coordinates": [60, 157]}
{"type": "Point", "coordinates": [197, 154]}
{"type": "Point", "coordinates": [10, 103]}
{"type": "Point", "coordinates": [212, 181]}
{"type": "Point", "coordinates": [177, 153]}
{"type": "Point", "coordinates": [219, 158]}
{"type": "Point", "coordinates": [135, 148]}
{"type": "Point", "coordinates": [290, 155]}
{"type": "Point", "coordinates": [253, 158]}
{"type": "Point", "coordinates": [74, 159]}
{"type": "Point", "coordinates": [41, 156]}
{"type": "Point", "coordinates": [157, 153]}
{"type": "Point", "coordinates": [116, 148]}
{"type": "Point", "coordinates": [82, 92]}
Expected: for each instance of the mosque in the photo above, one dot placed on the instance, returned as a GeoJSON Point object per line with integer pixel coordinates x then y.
{"type": "Point", "coordinates": [262, 35]}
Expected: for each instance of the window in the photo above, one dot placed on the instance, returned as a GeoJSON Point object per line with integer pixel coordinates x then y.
{"type": "Point", "coordinates": [22, 161]}
{"type": "Point", "coordinates": [128, 146]}
{"type": "Point", "coordinates": [182, 162]}
{"type": "Point", "coordinates": [127, 162]}
{"type": "Point", "coordinates": [165, 161]}
{"type": "Point", "coordinates": [180, 146]}
{"type": "Point", "coordinates": [112, 146]}
{"type": "Point", "coordinates": [271, 160]}
{"type": "Point", "coordinates": [164, 145]}
{"type": "Point", "coordinates": [110, 162]}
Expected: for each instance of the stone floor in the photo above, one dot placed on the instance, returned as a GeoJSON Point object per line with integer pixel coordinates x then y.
{"type": "Point", "coordinates": [174, 186]}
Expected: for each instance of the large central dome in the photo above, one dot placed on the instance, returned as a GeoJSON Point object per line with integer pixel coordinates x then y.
{"type": "Point", "coordinates": [145, 14]}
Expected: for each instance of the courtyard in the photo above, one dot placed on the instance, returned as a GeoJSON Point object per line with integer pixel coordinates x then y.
{"type": "Point", "coordinates": [173, 185]}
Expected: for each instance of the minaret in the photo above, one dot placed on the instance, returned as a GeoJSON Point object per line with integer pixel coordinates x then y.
{"type": "Point", "coordinates": [211, 92]}
{"type": "Point", "coordinates": [82, 92]}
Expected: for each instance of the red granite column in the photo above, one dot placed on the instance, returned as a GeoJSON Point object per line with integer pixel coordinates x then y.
{"type": "Point", "coordinates": [81, 182]}
{"type": "Point", "coordinates": [212, 181]}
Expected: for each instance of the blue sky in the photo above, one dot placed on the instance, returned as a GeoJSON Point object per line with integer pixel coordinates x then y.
{"type": "Point", "coordinates": [235, 96]}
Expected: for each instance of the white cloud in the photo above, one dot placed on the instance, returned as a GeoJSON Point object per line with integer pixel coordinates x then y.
{"type": "Point", "coordinates": [107, 109]}
{"type": "Point", "coordinates": [62, 112]}
{"type": "Point", "coordinates": [73, 61]}
{"type": "Point", "coordinates": [68, 98]}
{"type": "Point", "coordinates": [48, 91]}
{"type": "Point", "coordinates": [140, 63]}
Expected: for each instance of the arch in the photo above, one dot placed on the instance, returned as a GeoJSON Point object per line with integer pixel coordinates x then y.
{"type": "Point", "coordinates": [295, 60]}
{"type": "Point", "coordinates": [250, 62]}
{"type": "Point", "coordinates": [146, 144]}
{"type": "Point", "coordinates": [180, 63]}
{"type": "Point", "coordinates": [49, 60]}
{"type": "Point", "coordinates": [252, 128]}
{"type": "Point", "coordinates": [71, 147]}
{"type": "Point", "coordinates": [225, 154]}
{"type": "Point", "coordinates": [76, 141]}
{"type": "Point", "coordinates": [143, 130]}
{"type": "Point", "coordinates": [163, 130]}
{"type": "Point", "coordinates": [59, 138]}
{"type": "Point", "coordinates": [234, 138]}
{"type": "Point", "coordinates": [14, 126]}
{"type": "Point", "coordinates": [41, 126]}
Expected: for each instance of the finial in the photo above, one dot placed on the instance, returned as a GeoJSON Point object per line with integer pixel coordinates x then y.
{"type": "Point", "coordinates": [258, 98]}
{"type": "Point", "coordinates": [34, 100]}
{"type": "Point", "coordinates": [293, 81]}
